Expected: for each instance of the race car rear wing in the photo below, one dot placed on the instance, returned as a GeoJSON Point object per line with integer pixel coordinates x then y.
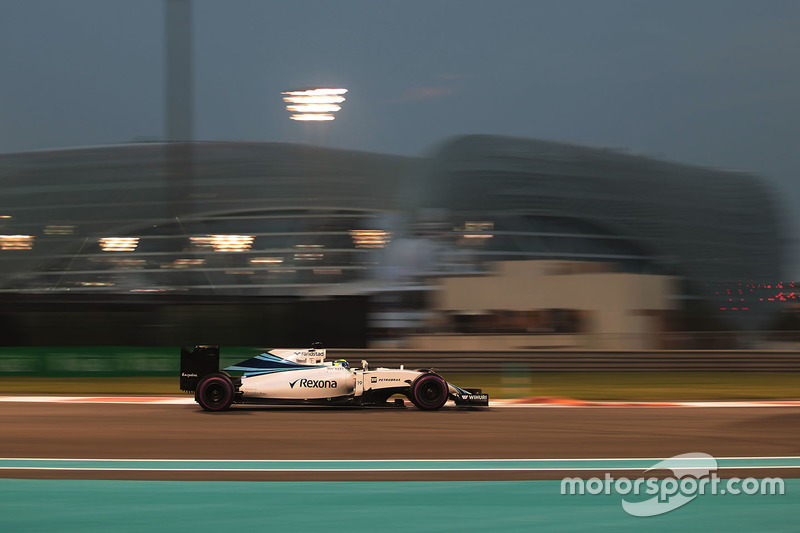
{"type": "Point", "coordinates": [197, 363]}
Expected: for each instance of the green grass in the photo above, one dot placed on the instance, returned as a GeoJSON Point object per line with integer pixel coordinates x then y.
{"type": "Point", "coordinates": [579, 385]}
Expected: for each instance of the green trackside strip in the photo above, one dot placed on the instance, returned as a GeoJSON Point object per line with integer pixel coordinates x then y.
{"type": "Point", "coordinates": [93, 506]}
{"type": "Point", "coordinates": [102, 361]}
{"type": "Point", "coordinates": [387, 465]}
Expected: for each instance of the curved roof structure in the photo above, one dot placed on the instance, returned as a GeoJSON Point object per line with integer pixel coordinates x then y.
{"type": "Point", "coordinates": [273, 218]}
{"type": "Point", "coordinates": [221, 217]}
{"type": "Point", "coordinates": [706, 225]}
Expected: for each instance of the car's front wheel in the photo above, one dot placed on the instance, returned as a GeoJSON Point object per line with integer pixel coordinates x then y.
{"type": "Point", "coordinates": [215, 392]}
{"type": "Point", "coordinates": [428, 392]}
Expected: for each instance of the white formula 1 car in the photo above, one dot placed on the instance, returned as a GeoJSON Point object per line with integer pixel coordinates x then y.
{"type": "Point", "coordinates": [304, 377]}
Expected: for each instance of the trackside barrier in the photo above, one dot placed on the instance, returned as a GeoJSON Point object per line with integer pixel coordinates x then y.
{"type": "Point", "coordinates": [102, 361]}
{"type": "Point", "coordinates": [582, 361]}
{"type": "Point", "coordinates": [164, 361]}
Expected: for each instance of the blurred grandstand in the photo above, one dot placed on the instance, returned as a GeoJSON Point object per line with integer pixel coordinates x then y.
{"type": "Point", "coordinates": [272, 222]}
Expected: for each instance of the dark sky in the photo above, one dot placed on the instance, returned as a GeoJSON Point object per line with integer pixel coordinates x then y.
{"type": "Point", "coordinates": [712, 82]}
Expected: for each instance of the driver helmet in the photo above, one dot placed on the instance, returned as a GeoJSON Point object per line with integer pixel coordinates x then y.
{"type": "Point", "coordinates": [341, 362]}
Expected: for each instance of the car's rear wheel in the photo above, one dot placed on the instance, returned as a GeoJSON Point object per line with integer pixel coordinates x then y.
{"type": "Point", "coordinates": [215, 392]}
{"type": "Point", "coordinates": [428, 392]}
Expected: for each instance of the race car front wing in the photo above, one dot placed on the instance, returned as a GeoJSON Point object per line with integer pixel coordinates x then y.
{"type": "Point", "coordinates": [474, 397]}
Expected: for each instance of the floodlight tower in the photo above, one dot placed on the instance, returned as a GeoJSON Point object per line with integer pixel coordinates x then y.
{"type": "Point", "coordinates": [179, 107]}
{"type": "Point", "coordinates": [179, 90]}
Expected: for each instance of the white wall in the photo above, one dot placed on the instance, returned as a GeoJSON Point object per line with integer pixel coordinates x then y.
{"type": "Point", "coordinates": [617, 303]}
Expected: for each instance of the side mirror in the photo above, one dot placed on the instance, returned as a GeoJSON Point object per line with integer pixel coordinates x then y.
{"type": "Point", "coordinates": [364, 364]}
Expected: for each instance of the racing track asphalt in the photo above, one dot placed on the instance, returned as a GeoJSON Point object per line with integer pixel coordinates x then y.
{"type": "Point", "coordinates": [186, 432]}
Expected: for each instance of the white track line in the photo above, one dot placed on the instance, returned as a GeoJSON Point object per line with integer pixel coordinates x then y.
{"type": "Point", "coordinates": [340, 470]}
{"type": "Point", "coordinates": [547, 403]}
{"type": "Point", "coordinates": [162, 400]}
{"type": "Point", "coordinates": [399, 460]}
{"type": "Point", "coordinates": [376, 465]}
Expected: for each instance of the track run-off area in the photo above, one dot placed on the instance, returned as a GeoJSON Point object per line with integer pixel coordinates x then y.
{"type": "Point", "coordinates": [162, 464]}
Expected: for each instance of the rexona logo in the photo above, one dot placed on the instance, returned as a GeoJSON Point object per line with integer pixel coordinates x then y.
{"type": "Point", "coordinates": [314, 383]}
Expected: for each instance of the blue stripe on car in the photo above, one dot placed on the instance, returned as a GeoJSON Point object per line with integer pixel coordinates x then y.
{"type": "Point", "coordinates": [267, 363]}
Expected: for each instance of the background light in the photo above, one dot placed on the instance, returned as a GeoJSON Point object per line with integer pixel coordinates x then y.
{"type": "Point", "coordinates": [318, 117]}
{"type": "Point", "coordinates": [224, 243]}
{"type": "Point", "coordinates": [315, 104]}
{"type": "Point", "coordinates": [119, 244]}
{"type": "Point", "coordinates": [370, 238]}
{"type": "Point", "coordinates": [16, 242]}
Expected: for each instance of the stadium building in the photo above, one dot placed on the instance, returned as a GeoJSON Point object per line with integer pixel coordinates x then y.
{"type": "Point", "coordinates": [244, 220]}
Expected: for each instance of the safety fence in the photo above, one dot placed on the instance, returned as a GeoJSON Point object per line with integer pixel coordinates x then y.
{"type": "Point", "coordinates": [582, 361]}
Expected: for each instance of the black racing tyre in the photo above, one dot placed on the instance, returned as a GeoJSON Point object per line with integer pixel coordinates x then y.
{"type": "Point", "coordinates": [428, 392]}
{"type": "Point", "coordinates": [215, 392]}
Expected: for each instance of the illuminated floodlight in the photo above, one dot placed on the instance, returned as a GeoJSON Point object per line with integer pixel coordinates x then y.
{"type": "Point", "coordinates": [16, 242]}
{"type": "Point", "coordinates": [224, 243]}
{"type": "Point", "coordinates": [370, 238]}
{"type": "Point", "coordinates": [321, 91]}
{"type": "Point", "coordinates": [321, 100]}
{"type": "Point", "coordinates": [314, 105]}
{"type": "Point", "coordinates": [312, 117]}
{"type": "Point", "coordinates": [119, 244]}
{"type": "Point", "coordinates": [314, 108]}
